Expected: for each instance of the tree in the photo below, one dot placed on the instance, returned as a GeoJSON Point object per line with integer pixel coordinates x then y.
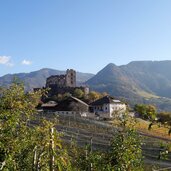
{"type": "Point", "coordinates": [125, 151]}
{"type": "Point", "coordinates": [146, 111]}
{"type": "Point", "coordinates": [104, 94]}
{"type": "Point", "coordinates": [48, 151]}
{"type": "Point", "coordinates": [151, 112]}
{"type": "Point", "coordinates": [94, 96]}
{"type": "Point", "coordinates": [140, 109]}
{"type": "Point", "coordinates": [66, 95]}
{"type": "Point", "coordinates": [59, 97]}
{"type": "Point", "coordinates": [27, 143]}
{"type": "Point", "coordinates": [165, 119]}
{"type": "Point", "coordinates": [86, 159]}
{"type": "Point", "coordinates": [78, 93]}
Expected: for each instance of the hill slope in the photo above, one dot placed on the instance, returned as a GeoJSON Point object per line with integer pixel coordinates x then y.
{"type": "Point", "coordinates": [151, 76]}
{"type": "Point", "coordinates": [138, 82]}
{"type": "Point", "coordinates": [38, 78]}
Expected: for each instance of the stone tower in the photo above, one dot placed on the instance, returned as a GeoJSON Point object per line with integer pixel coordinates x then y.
{"type": "Point", "coordinates": [70, 78]}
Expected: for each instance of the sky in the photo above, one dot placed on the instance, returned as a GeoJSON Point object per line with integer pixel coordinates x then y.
{"type": "Point", "coordinates": [84, 35]}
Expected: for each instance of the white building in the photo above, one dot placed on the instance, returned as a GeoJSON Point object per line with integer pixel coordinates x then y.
{"type": "Point", "coordinates": [107, 106]}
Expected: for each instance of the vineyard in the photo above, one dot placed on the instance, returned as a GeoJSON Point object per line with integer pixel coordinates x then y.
{"type": "Point", "coordinates": [98, 134]}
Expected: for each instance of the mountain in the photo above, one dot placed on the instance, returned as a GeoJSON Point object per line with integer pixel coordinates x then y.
{"type": "Point", "coordinates": [38, 78]}
{"type": "Point", "coordinates": [138, 82]}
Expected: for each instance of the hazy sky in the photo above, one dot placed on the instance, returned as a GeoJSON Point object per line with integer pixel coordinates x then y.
{"type": "Point", "coordinates": [84, 35]}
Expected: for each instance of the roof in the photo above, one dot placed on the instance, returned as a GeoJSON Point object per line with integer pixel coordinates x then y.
{"type": "Point", "coordinates": [105, 100]}
{"type": "Point", "coordinates": [66, 105]}
{"type": "Point", "coordinates": [49, 104]}
{"type": "Point", "coordinates": [78, 100]}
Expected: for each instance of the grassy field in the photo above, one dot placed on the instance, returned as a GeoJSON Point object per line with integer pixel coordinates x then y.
{"type": "Point", "coordinates": [156, 130]}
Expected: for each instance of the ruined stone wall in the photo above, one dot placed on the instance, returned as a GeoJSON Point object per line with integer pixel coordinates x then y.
{"type": "Point", "coordinates": [70, 78]}
{"type": "Point", "coordinates": [60, 84]}
{"type": "Point", "coordinates": [58, 80]}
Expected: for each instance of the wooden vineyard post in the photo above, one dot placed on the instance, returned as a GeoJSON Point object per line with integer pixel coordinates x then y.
{"type": "Point", "coordinates": [51, 150]}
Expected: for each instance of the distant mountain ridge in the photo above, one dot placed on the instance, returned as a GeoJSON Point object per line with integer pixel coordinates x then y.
{"type": "Point", "coordinates": [38, 78]}
{"type": "Point", "coordinates": [138, 81]}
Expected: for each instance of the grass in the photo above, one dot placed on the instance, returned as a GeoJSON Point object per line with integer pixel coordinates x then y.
{"type": "Point", "coordinates": [142, 125]}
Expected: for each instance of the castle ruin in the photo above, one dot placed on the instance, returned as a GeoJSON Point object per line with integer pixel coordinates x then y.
{"type": "Point", "coordinates": [60, 84]}
{"type": "Point", "coordinates": [67, 80]}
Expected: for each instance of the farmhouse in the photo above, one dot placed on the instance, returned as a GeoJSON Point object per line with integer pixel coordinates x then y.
{"type": "Point", "coordinates": [70, 105]}
{"type": "Point", "coordinates": [107, 106]}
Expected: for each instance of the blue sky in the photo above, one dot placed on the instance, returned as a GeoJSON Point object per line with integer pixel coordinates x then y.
{"type": "Point", "coordinates": [84, 35]}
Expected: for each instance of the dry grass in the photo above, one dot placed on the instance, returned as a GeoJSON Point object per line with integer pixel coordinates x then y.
{"type": "Point", "coordinates": [161, 131]}
{"type": "Point", "coordinates": [142, 126]}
